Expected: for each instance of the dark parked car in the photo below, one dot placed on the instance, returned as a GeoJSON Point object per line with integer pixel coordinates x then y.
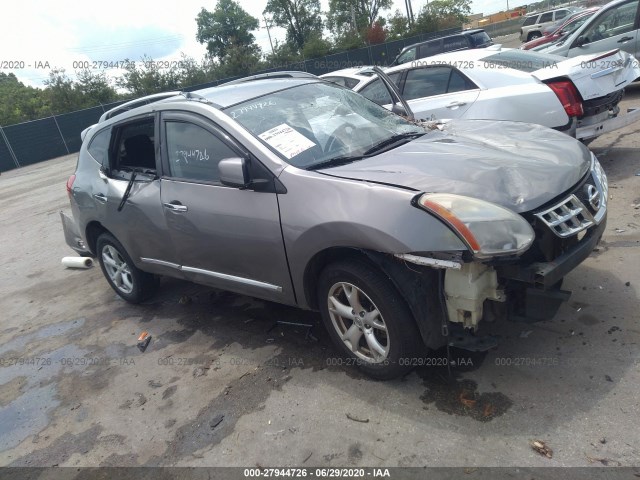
{"type": "Point", "coordinates": [299, 191]}
{"type": "Point", "coordinates": [476, 38]}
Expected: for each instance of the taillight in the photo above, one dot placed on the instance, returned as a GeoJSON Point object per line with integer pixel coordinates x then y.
{"type": "Point", "coordinates": [568, 96]}
{"type": "Point", "coordinates": [72, 179]}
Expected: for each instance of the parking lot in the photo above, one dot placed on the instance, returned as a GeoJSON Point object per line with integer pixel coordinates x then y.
{"type": "Point", "coordinates": [225, 382]}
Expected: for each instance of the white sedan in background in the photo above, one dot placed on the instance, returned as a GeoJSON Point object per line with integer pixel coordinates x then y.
{"type": "Point", "coordinates": [578, 96]}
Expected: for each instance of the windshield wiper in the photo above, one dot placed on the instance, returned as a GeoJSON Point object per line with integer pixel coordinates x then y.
{"type": "Point", "coordinates": [392, 140]}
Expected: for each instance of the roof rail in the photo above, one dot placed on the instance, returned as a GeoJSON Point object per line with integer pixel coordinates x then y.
{"type": "Point", "coordinates": [262, 76]}
{"type": "Point", "coordinates": [138, 102]}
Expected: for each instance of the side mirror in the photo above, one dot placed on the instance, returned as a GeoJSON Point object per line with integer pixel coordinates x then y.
{"type": "Point", "coordinates": [104, 173]}
{"type": "Point", "coordinates": [580, 41]}
{"type": "Point", "coordinates": [398, 109]}
{"type": "Point", "coordinates": [234, 172]}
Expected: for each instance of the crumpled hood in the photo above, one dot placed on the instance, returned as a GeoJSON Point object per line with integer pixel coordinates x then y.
{"type": "Point", "coordinates": [517, 165]}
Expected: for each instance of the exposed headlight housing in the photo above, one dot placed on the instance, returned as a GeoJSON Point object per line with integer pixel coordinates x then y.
{"type": "Point", "coordinates": [487, 229]}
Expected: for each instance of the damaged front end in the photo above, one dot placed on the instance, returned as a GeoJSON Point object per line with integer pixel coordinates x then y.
{"type": "Point", "coordinates": [514, 268]}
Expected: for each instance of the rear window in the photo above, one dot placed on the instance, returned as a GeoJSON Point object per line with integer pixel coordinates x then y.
{"type": "Point", "coordinates": [530, 20]}
{"type": "Point", "coordinates": [522, 60]}
{"type": "Point", "coordinates": [479, 38]}
{"type": "Point", "coordinates": [99, 147]}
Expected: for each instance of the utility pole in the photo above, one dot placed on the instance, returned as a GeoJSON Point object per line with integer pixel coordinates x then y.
{"type": "Point", "coordinates": [353, 19]}
{"type": "Point", "coordinates": [268, 33]}
{"type": "Point", "coordinates": [407, 4]}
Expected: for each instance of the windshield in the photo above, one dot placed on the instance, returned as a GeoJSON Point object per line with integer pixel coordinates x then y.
{"type": "Point", "coordinates": [316, 123]}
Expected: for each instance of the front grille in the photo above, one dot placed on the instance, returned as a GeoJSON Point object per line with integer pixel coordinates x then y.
{"type": "Point", "coordinates": [567, 218]}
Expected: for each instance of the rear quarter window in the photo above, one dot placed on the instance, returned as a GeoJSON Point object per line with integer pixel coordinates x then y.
{"type": "Point", "coordinates": [99, 147]}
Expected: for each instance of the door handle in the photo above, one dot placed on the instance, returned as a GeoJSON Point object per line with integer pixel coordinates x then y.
{"type": "Point", "coordinates": [456, 104]}
{"type": "Point", "coordinates": [175, 207]}
{"type": "Point", "coordinates": [625, 39]}
{"type": "Point", "coordinates": [101, 197]}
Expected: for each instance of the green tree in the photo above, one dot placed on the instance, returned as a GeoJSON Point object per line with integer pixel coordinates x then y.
{"type": "Point", "coordinates": [94, 88]}
{"type": "Point", "coordinates": [316, 46]}
{"type": "Point", "coordinates": [366, 12]}
{"type": "Point", "coordinates": [240, 60]}
{"type": "Point", "coordinates": [397, 26]}
{"type": "Point", "coordinates": [282, 56]}
{"type": "Point", "coordinates": [20, 103]}
{"type": "Point", "coordinates": [441, 14]}
{"type": "Point", "coordinates": [147, 77]}
{"type": "Point", "coordinates": [227, 26]}
{"type": "Point", "coordinates": [62, 93]}
{"type": "Point", "coordinates": [301, 18]}
{"type": "Point", "coordinates": [191, 72]}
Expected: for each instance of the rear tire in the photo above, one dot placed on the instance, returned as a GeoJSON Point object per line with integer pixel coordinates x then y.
{"type": "Point", "coordinates": [125, 278]}
{"type": "Point", "coordinates": [368, 320]}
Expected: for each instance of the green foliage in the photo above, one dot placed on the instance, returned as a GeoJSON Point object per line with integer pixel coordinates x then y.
{"type": "Point", "coordinates": [146, 77]}
{"type": "Point", "coordinates": [397, 26]}
{"type": "Point", "coordinates": [348, 40]}
{"type": "Point", "coordinates": [366, 12]}
{"type": "Point", "coordinates": [227, 26]}
{"type": "Point", "coordinates": [19, 103]}
{"type": "Point", "coordinates": [316, 46]}
{"type": "Point", "coordinates": [442, 14]}
{"type": "Point", "coordinates": [301, 18]}
{"type": "Point", "coordinates": [240, 60]}
{"type": "Point", "coordinates": [282, 57]}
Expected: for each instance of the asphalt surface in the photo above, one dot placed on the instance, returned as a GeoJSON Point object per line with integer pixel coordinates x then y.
{"type": "Point", "coordinates": [222, 383]}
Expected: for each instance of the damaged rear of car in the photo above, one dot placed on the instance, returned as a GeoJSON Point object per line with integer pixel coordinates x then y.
{"type": "Point", "coordinates": [404, 236]}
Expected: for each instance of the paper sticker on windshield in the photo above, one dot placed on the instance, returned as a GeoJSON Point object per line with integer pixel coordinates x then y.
{"type": "Point", "coordinates": [286, 140]}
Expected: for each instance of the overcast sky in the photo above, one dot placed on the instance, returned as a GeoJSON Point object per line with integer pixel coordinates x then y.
{"type": "Point", "coordinates": [44, 34]}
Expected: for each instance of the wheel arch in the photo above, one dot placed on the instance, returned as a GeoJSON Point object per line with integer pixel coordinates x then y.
{"type": "Point", "coordinates": [93, 230]}
{"type": "Point", "coordinates": [418, 286]}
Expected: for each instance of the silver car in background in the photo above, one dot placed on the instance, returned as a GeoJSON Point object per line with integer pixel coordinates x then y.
{"type": "Point", "coordinates": [404, 236]}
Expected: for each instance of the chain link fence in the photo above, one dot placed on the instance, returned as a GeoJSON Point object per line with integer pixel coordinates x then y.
{"type": "Point", "coordinates": [39, 140]}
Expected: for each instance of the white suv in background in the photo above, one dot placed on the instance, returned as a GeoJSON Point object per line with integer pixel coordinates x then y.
{"type": "Point", "coordinates": [535, 23]}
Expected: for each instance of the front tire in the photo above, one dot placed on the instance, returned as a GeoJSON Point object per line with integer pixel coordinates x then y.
{"type": "Point", "coordinates": [368, 319]}
{"type": "Point", "coordinates": [125, 278]}
{"type": "Point", "coordinates": [533, 36]}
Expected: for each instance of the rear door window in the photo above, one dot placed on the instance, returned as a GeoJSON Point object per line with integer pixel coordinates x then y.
{"type": "Point", "coordinates": [458, 42]}
{"type": "Point", "coordinates": [135, 145]}
{"type": "Point", "coordinates": [546, 17]}
{"type": "Point", "coordinates": [427, 82]}
{"type": "Point", "coordinates": [430, 48]}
